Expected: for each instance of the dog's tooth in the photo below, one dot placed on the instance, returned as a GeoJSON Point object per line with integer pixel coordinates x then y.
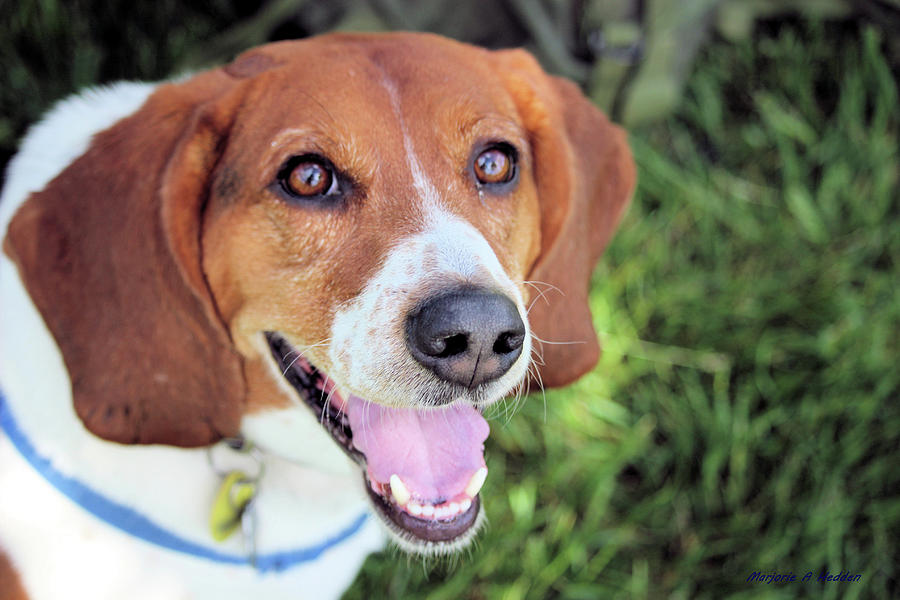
{"type": "Point", "coordinates": [414, 508]}
{"type": "Point", "coordinates": [465, 505]}
{"type": "Point", "coordinates": [398, 490]}
{"type": "Point", "coordinates": [476, 482]}
{"type": "Point", "coordinates": [454, 508]}
{"type": "Point", "coordinates": [427, 510]}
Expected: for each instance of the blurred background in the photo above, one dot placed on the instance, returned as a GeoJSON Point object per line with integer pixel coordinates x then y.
{"type": "Point", "coordinates": [745, 415]}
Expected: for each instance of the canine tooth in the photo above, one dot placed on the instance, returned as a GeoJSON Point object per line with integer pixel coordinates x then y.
{"type": "Point", "coordinates": [414, 508]}
{"type": "Point", "coordinates": [454, 508]}
{"type": "Point", "coordinates": [476, 482]}
{"type": "Point", "coordinates": [441, 512]}
{"type": "Point", "coordinates": [465, 505]}
{"type": "Point", "coordinates": [398, 490]}
{"type": "Point", "coordinates": [427, 510]}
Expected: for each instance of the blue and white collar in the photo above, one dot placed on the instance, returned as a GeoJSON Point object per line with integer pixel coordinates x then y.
{"type": "Point", "coordinates": [134, 523]}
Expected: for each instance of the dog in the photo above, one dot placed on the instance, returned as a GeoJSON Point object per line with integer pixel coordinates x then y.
{"type": "Point", "coordinates": [251, 317]}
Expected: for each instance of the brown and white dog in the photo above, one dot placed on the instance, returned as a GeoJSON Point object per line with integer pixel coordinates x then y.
{"type": "Point", "coordinates": [345, 246]}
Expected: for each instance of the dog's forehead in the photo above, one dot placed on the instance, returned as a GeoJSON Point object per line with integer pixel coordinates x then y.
{"type": "Point", "coordinates": [406, 58]}
{"type": "Point", "coordinates": [361, 86]}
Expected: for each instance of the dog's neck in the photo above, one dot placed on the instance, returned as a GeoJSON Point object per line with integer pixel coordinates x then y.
{"type": "Point", "coordinates": [298, 505]}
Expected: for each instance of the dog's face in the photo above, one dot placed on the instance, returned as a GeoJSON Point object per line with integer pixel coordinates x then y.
{"type": "Point", "coordinates": [332, 221]}
{"type": "Point", "coordinates": [359, 225]}
{"type": "Point", "coordinates": [386, 245]}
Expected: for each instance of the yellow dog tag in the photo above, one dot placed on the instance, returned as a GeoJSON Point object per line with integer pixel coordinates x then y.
{"type": "Point", "coordinates": [231, 501]}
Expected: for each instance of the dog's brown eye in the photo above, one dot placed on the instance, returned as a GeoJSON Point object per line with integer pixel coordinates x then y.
{"type": "Point", "coordinates": [311, 180]}
{"type": "Point", "coordinates": [495, 165]}
{"type": "Point", "coordinates": [309, 177]}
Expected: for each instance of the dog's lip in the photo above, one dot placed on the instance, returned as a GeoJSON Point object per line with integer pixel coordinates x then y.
{"type": "Point", "coordinates": [317, 394]}
{"type": "Point", "coordinates": [428, 530]}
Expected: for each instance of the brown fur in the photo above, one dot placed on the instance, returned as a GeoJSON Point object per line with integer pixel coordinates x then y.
{"type": "Point", "coordinates": [10, 586]}
{"type": "Point", "coordinates": [159, 256]}
{"type": "Point", "coordinates": [585, 176]}
{"type": "Point", "coordinates": [112, 265]}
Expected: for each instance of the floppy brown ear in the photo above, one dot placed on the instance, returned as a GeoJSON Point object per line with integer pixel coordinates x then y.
{"type": "Point", "coordinates": [109, 252]}
{"type": "Point", "coordinates": [585, 176]}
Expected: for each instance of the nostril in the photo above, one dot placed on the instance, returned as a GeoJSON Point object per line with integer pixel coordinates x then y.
{"type": "Point", "coordinates": [451, 345]}
{"type": "Point", "coordinates": [468, 337]}
{"type": "Point", "coordinates": [508, 341]}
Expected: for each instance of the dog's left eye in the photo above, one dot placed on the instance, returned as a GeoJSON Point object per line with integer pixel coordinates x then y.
{"type": "Point", "coordinates": [495, 165]}
{"type": "Point", "coordinates": [308, 176]}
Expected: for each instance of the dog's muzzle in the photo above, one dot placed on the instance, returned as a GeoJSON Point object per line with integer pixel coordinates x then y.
{"type": "Point", "coordinates": [466, 337]}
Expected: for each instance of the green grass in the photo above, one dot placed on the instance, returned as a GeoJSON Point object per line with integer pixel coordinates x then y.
{"type": "Point", "coordinates": [745, 414]}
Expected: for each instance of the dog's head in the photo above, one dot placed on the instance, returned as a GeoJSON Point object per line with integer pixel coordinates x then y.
{"type": "Point", "coordinates": [393, 230]}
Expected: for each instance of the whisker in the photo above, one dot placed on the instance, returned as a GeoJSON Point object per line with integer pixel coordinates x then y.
{"type": "Point", "coordinates": [511, 408]}
{"type": "Point", "coordinates": [530, 306]}
{"type": "Point", "coordinates": [331, 394]}
{"type": "Point", "coordinates": [543, 341]}
{"type": "Point", "coordinates": [540, 294]}
{"type": "Point", "coordinates": [540, 382]}
{"type": "Point", "coordinates": [534, 283]}
{"type": "Point", "coordinates": [534, 371]}
{"type": "Point", "coordinates": [537, 354]}
{"type": "Point", "coordinates": [328, 398]}
{"type": "Point", "coordinates": [301, 353]}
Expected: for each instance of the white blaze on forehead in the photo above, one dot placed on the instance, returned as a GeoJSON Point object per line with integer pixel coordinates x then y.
{"type": "Point", "coordinates": [451, 245]}
{"type": "Point", "coordinates": [427, 192]}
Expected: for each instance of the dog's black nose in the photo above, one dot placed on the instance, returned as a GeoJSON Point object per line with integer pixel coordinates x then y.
{"type": "Point", "coordinates": [467, 337]}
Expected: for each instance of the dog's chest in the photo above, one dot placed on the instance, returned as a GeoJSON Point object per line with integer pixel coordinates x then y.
{"type": "Point", "coordinates": [40, 527]}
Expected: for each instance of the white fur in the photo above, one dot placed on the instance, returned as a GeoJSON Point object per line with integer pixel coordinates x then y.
{"type": "Point", "coordinates": [310, 490]}
{"type": "Point", "coordinates": [62, 136]}
{"type": "Point", "coordinates": [59, 550]}
{"type": "Point", "coordinates": [279, 431]}
{"type": "Point", "coordinates": [368, 348]}
{"type": "Point", "coordinates": [427, 192]}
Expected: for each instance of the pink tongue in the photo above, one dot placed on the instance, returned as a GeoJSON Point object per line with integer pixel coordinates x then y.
{"type": "Point", "coordinates": [435, 452]}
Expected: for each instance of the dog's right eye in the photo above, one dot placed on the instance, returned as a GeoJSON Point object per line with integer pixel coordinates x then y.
{"type": "Point", "coordinates": [308, 177]}
{"type": "Point", "coordinates": [494, 167]}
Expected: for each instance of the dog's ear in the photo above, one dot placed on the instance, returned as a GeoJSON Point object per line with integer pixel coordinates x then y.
{"type": "Point", "coordinates": [109, 251]}
{"type": "Point", "coordinates": [585, 176]}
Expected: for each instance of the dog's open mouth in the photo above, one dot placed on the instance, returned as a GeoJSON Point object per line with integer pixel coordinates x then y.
{"type": "Point", "coordinates": [423, 469]}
